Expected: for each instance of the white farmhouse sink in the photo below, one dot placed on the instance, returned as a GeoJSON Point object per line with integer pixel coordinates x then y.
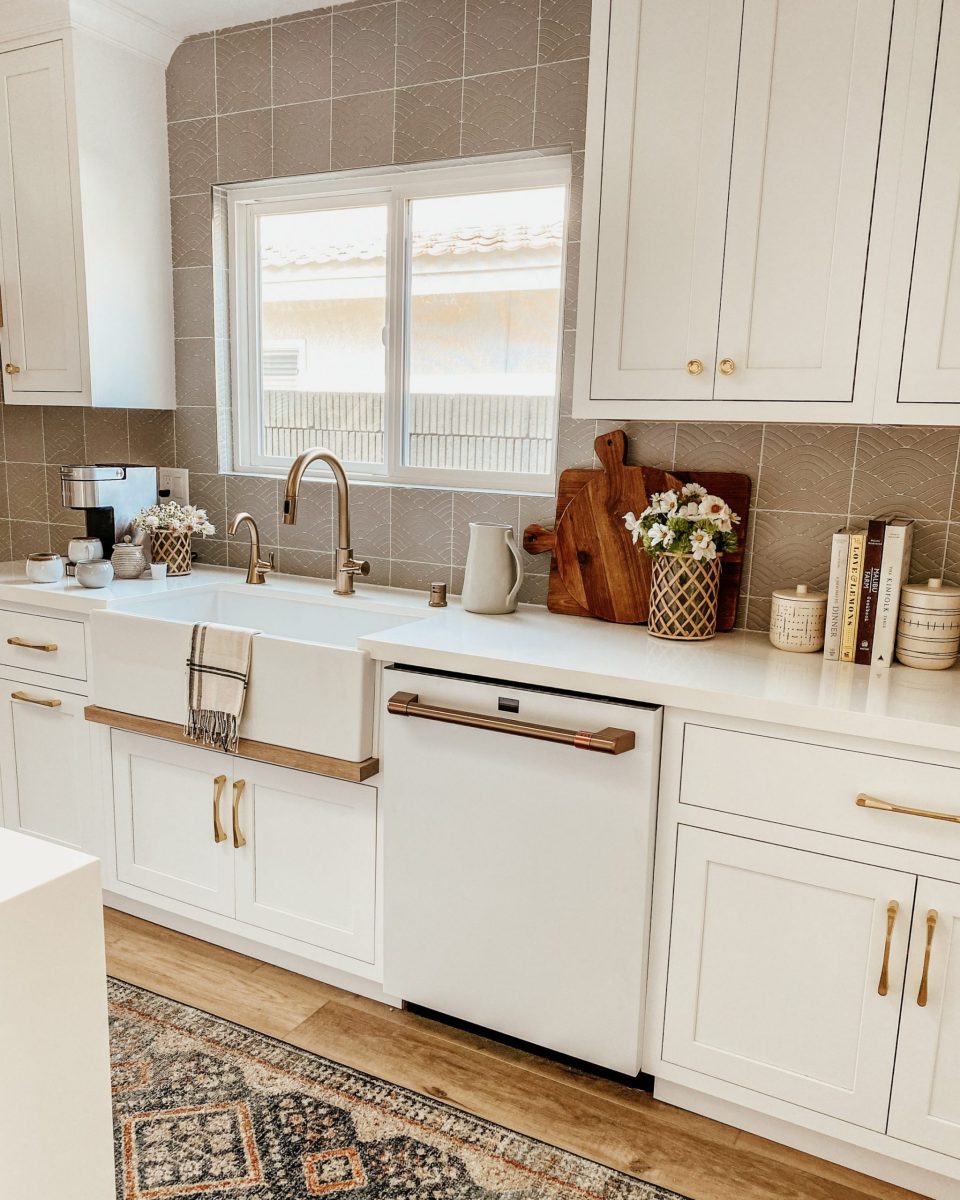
{"type": "Point", "coordinates": [311, 687]}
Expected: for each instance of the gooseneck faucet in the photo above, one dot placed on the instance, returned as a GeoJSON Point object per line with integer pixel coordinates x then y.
{"type": "Point", "coordinates": [257, 567]}
{"type": "Point", "coordinates": [347, 565]}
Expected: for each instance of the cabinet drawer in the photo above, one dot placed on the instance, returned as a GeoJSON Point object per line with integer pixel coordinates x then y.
{"type": "Point", "coordinates": [812, 786]}
{"type": "Point", "coordinates": [38, 643]}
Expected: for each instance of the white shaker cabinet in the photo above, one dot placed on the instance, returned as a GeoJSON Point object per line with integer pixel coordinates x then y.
{"type": "Point", "coordinates": [925, 1107]}
{"type": "Point", "coordinates": [85, 277]}
{"type": "Point", "coordinates": [273, 848]}
{"type": "Point", "coordinates": [930, 374]}
{"type": "Point", "coordinates": [45, 764]}
{"type": "Point", "coordinates": [730, 175]}
{"type": "Point", "coordinates": [763, 933]}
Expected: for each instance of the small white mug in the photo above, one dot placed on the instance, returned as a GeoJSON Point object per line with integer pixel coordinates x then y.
{"type": "Point", "coordinates": [158, 570]}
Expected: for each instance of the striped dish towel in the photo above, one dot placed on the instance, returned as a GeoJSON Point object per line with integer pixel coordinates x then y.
{"type": "Point", "coordinates": [218, 671]}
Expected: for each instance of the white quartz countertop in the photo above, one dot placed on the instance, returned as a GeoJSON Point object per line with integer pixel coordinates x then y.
{"type": "Point", "coordinates": [736, 674]}
{"type": "Point", "coordinates": [27, 863]}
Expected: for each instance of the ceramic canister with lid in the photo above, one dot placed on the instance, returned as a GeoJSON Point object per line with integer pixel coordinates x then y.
{"type": "Point", "coordinates": [928, 626]}
{"type": "Point", "coordinates": [798, 618]}
{"type": "Point", "coordinates": [44, 568]}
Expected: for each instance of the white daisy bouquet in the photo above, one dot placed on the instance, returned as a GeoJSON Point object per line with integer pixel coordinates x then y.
{"type": "Point", "coordinates": [174, 518]}
{"type": "Point", "coordinates": [690, 521]}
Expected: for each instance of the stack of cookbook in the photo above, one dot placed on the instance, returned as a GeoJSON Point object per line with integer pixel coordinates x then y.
{"type": "Point", "coordinates": [868, 567]}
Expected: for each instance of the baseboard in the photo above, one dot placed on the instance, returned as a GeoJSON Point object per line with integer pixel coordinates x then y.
{"type": "Point", "coordinates": [267, 954]}
{"type": "Point", "coordinates": [867, 1162]}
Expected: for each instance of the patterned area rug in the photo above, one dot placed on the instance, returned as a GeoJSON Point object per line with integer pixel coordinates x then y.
{"type": "Point", "coordinates": [209, 1110]}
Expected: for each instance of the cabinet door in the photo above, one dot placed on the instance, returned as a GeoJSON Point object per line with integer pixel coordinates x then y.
{"type": "Point", "coordinates": [42, 321]}
{"type": "Point", "coordinates": [45, 763]}
{"type": "Point", "coordinates": [307, 865]}
{"type": "Point", "coordinates": [809, 103]}
{"type": "Point", "coordinates": [169, 803]}
{"type": "Point", "coordinates": [931, 351]}
{"type": "Point", "coordinates": [925, 1108]}
{"type": "Point", "coordinates": [664, 157]}
{"type": "Point", "coordinates": [776, 957]}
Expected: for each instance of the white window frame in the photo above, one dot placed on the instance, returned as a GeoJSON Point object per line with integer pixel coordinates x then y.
{"type": "Point", "coordinates": [394, 188]}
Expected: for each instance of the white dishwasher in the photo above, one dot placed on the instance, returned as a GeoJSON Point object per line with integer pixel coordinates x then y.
{"type": "Point", "coordinates": [518, 859]}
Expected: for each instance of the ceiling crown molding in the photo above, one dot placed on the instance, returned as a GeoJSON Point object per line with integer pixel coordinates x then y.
{"type": "Point", "coordinates": [111, 19]}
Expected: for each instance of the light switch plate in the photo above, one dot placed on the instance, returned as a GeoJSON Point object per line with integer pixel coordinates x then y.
{"type": "Point", "coordinates": [176, 480]}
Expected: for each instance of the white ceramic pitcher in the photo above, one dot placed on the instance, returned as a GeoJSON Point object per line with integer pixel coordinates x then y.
{"type": "Point", "coordinates": [494, 569]}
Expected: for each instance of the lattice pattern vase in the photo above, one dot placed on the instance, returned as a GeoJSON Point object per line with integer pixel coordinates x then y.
{"type": "Point", "coordinates": [683, 597]}
{"type": "Point", "coordinates": [172, 549]}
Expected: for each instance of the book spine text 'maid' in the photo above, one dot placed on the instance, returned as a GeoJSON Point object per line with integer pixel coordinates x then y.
{"type": "Point", "coordinates": [869, 592]}
{"type": "Point", "coordinates": [894, 570]}
{"type": "Point", "coordinates": [851, 597]}
{"type": "Point", "coordinates": [839, 552]}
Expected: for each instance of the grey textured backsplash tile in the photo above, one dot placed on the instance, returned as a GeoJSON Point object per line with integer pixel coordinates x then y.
{"type": "Point", "coordinates": [375, 82]}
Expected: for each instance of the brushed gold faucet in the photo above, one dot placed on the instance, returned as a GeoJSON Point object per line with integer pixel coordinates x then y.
{"type": "Point", "coordinates": [347, 565]}
{"type": "Point", "coordinates": [256, 567]}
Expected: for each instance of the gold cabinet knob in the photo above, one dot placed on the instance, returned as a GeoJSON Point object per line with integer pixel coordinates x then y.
{"type": "Point", "coordinates": [727, 366]}
{"type": "Point", "coordinates": [694, 367]}
{"type": "Point", "coordinates": [12, 369]}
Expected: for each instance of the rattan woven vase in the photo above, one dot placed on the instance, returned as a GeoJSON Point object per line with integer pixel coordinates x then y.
{"type": "Point", "coordinates": [683, 597]}
{"type": "Point", "coordinates": [172, 549]}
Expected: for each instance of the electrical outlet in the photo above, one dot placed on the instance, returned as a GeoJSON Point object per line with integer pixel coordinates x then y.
{"type": "Point", "coordinates": [176, 481]}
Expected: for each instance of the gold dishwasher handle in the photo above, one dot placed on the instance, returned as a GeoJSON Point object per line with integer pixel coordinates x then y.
{"type": "Point", "coordinates": [884, 986]}
{"type": "Point", "coordinates": [865, 801]}
{"type": "Point", "coordinates": [52, 703]}
{"type": "Point", "coordinates": [219, 833]}
{"type": "Point", "coordinates": [46, 647]}
{"type": "Point", "coordinates": [604, 741]}
{"type": "Point", "coordinates": [932, 918]}
{"type": "Point", "coordinates": [238, 838]}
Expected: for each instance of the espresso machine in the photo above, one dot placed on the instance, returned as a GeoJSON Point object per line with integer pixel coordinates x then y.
{"type": "Point", "coordinates": [110, 496]}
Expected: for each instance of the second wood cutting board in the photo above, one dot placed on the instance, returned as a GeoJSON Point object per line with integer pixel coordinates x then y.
{"type": "Point", "coordinates": [618, 581]}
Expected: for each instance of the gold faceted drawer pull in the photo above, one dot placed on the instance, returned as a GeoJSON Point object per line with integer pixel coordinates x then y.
{"type": "Point", "coordinates": [865, 801]}
{"type": "Point", "coordinates": [219, 833]}
{"type": "Point", "coordinates": [12, 369]}
{"type": "Point", "coordinates": [604, 741]}
{"type": "Point", "coordinates": [694, 367]}
{"type": "Point", "coordinates": [884, 986]}
{"type": "Point", "coordinates": [238, 838]}
{"type": "Point", "coordinates": [727, 366]}
{"type": "Point", "coordinates": [51, 702]}
{"type": "Point", "coordinates": [45, 647]}
{"type": "Point", "coordinates": [932, 917]}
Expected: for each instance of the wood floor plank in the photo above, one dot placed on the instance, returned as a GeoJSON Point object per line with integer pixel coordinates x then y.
{"type": "Point", "coordinates": [589, 1115]}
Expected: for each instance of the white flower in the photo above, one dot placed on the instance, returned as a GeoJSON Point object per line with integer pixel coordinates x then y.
{"type": "Point", "coordinates": [663, 502]}
{"type": "Point", "coordinates": [633, 525]}
{"type": "Point", "coordinates": [702, 543]}
{"type": "Point", "coordinates": [151, 521]}
{"type": "Point", "coordinates": [712, 507]}
{"type": "Point", "coordinates": [695, 490]}
{"type": "Point", "coordinates": [660, 535]}
{"type": "Point", "coordinates": [691, 510]}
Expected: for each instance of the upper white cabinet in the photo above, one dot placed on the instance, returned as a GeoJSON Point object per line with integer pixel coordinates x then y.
{"type": "Point", "coordinates": [731, 164]}
{"type": "Point", "coordinates": [85, 283]}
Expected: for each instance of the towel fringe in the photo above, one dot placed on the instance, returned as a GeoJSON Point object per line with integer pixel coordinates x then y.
{"type": "Point", "coordinates": [210, 728]}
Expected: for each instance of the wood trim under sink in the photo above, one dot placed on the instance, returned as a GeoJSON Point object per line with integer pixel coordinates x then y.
{"type": "Point", "coordinates": [280, 756]}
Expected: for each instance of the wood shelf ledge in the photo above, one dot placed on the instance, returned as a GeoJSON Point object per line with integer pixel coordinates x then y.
{"type": "Point", "coordinates": [266, 752]}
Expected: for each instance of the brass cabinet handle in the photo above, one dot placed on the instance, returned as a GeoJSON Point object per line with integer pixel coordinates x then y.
{"type": "Point", "coordinates": [46, 647]}
{"type": "Point", "coordinates": [865, 801]}
{"type": "Point", "coordinates": [238, 838]}
{"type": "Point", "coordinates": [727, 366]}
{"type": "Point", "coordinates": [932, 918]}
{"type": "Point", "coordinates": [604, 741]}
{"type": "Point", "coordinates": [884, 986]}
{"type": "Point", "coordinates": [12, 369]}
{"type": "Point", "coordinates": [219, 833]}
{"type": "Point", "coordinates": [51, 703]}
{"type": "Point", "coordinates": [694, 367]}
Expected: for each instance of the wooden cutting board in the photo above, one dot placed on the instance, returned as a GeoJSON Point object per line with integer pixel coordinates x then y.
{"type": "Point", "coordinates": [596, 571]}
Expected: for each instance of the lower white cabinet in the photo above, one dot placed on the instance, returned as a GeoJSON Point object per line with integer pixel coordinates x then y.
{"type": "Point", "coordinates": [275, 848]}
{"type": "Point", "coordinates": [45, 763]}
{"type": "Point", "coordinates": [776, 957]}
{"type": "Point", "coordinates": [925, 1108]}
